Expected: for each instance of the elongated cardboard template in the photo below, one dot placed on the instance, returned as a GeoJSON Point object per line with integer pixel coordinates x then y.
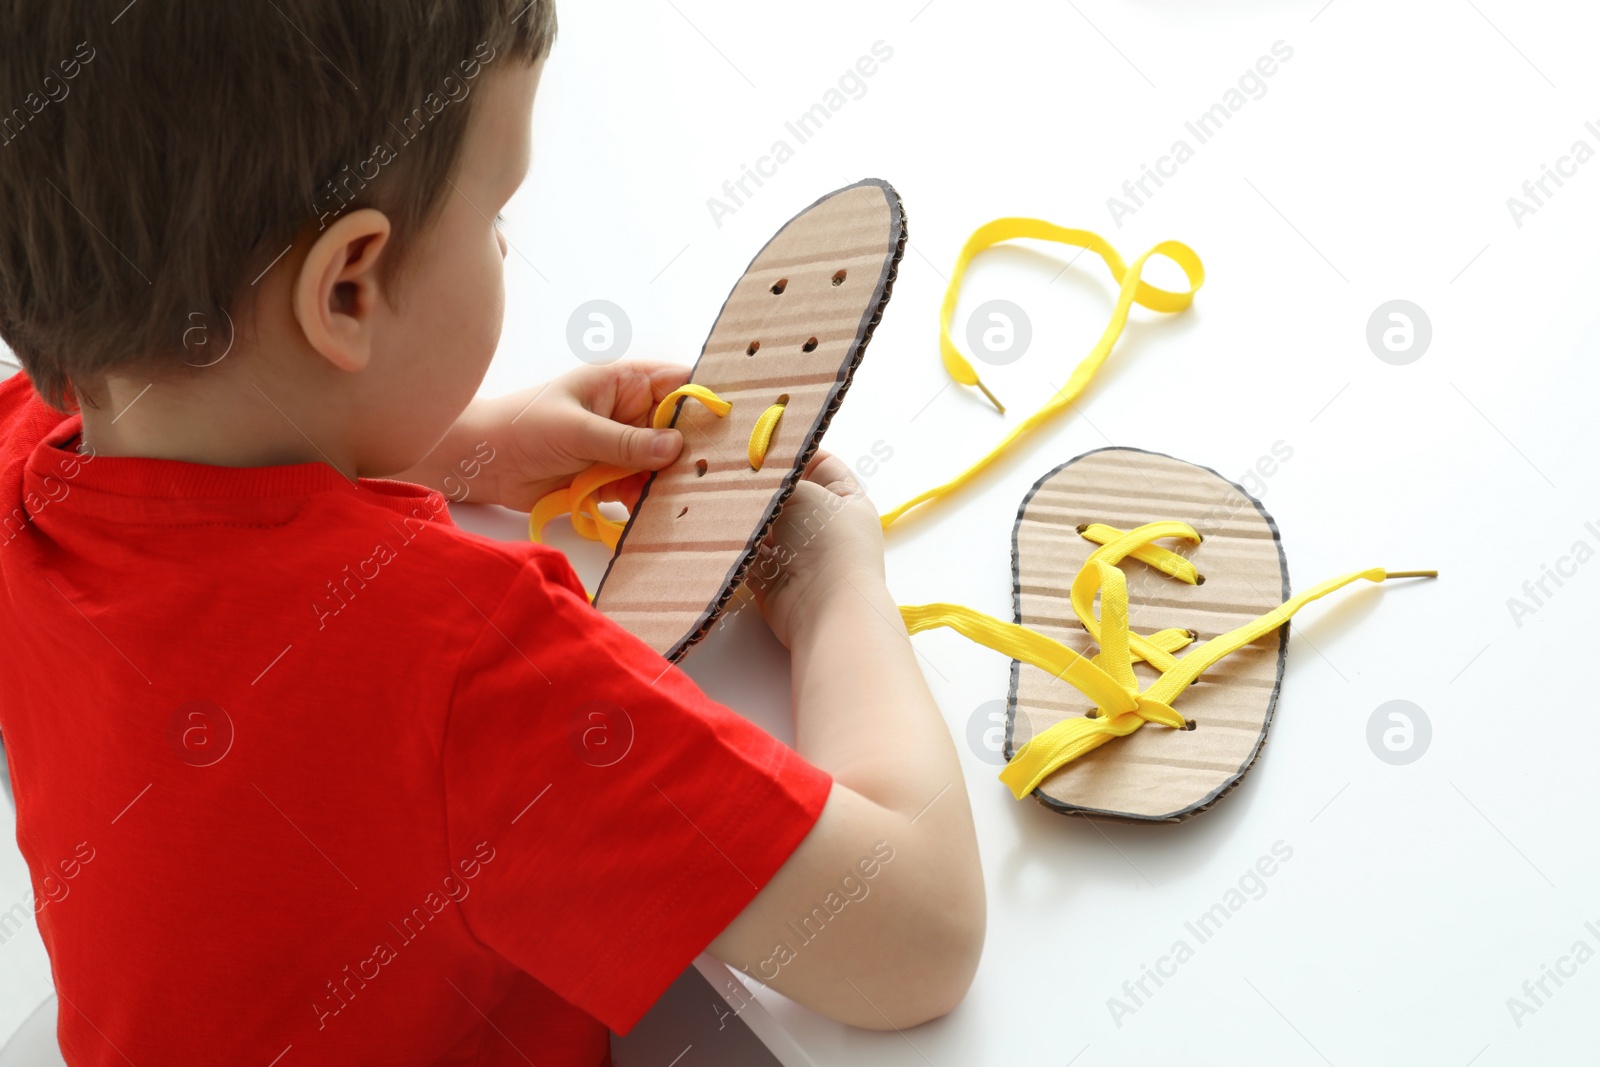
{"type": "Point", "coordinates": [795, 327]}
{"type": "Point", "coordinates": [1155, 773]}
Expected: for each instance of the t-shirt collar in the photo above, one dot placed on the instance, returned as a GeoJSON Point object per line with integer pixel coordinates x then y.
{"type": "Point", "coordinates": [55, 463]}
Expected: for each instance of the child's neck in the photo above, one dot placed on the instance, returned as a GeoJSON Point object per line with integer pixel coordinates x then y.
{"type": "Point", "coordinates": [245, 415]}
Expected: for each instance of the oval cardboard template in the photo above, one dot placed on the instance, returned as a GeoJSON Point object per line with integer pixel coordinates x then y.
{"type": "Point", "coordinates": [1155, 773]}
{"type": "Point", "coordinates": [796, 326]}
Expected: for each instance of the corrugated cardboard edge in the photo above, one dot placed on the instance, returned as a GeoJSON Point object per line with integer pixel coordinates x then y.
{"type": "Point", "coordinates": [869, 323]}
{"type": "Point", "coordinates": [1016, 667]}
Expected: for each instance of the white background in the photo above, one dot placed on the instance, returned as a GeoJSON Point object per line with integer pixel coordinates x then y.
{"type": "Point", "coordinates": [1377, 166]}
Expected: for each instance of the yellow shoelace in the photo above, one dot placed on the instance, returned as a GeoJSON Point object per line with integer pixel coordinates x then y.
{"type": "Point", "coordinates": [581, 499]}
{"type": "Point", "coordinates": [1134, 290]}
{"type": "Point", "coordinates": [1107, 678]}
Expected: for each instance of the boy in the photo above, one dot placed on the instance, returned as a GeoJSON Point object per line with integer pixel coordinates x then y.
{"type": "Point", "coordinates": [304, 773]}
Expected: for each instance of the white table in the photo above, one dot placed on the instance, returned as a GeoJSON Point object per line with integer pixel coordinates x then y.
{"type": "Point", "coordinates": [1376, 166]}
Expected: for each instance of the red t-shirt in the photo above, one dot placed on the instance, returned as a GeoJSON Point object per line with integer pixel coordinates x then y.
{"type": "Point", "coordinates": [306, 774]}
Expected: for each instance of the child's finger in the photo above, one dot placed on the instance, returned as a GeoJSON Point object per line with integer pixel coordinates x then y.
{"type": "Point", "coordinates": [603, 440]}
{"type": "Point", "coordinates": [628, 391]}
{"type": "Point", "coordinates": [665, 377]}
{"type": "Point", "coordinates": [828, 470]}
{"type": "Point", "coordinates": [625, 492]}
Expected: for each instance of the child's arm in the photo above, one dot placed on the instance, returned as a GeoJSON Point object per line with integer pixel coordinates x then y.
{"type": "Point", "coordinates": [905, 945]}
{"type": "Point", "coordinates": [893, 947]}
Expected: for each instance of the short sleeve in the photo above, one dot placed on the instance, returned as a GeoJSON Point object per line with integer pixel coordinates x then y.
{"type": "Point", "coordinates": [626, 817]}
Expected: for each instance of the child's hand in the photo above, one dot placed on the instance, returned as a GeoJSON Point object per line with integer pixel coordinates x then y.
{"type": "Point", "coordinates": [827, 542]}
{"type": "Point", "coordinates": [586, 416]}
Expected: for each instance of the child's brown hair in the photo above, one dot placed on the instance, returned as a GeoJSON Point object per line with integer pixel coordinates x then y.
{"type": "Point", "coordinates": [154, 160]}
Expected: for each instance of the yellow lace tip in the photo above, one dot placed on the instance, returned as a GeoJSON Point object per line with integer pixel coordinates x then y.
{"type": "Point", "coordinates": [1001, 408]}
{"type": "Point", "coordinates": [1410, 574]}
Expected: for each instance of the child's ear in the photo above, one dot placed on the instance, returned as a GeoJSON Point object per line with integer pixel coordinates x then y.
{"type": "Point", "coordinates": [337, 289]}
